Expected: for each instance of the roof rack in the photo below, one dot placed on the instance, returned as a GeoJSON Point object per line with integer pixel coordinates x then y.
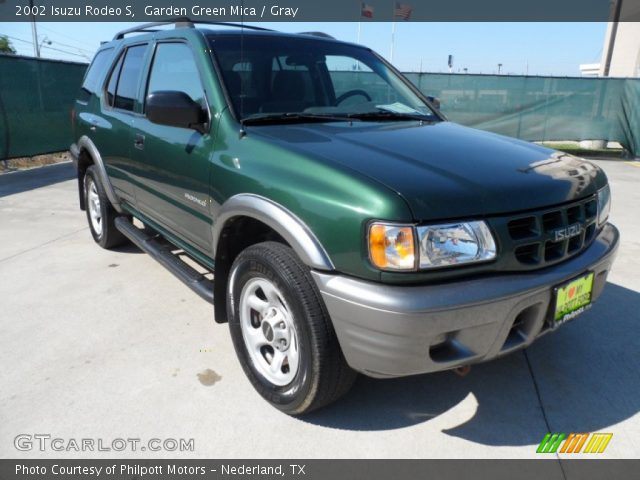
{"type": "Point", "coordinates": [181, 22]}
{"type": "Point", "coordinates": [317, 34]}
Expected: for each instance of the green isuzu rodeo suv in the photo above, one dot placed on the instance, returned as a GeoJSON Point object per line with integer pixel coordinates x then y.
{"type": "Point", "coordinates": [340, 222]}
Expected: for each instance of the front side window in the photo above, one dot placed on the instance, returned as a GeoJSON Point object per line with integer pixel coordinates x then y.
{"type": "Point", "coordinates": [312, 77]}
{"type": "Point", "coordinates": [175, 69]}
{"type": "Point", "coordinates": [122, 88]}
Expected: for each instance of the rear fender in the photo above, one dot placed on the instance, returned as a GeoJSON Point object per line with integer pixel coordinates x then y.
{"type": "Point", "coordinates": [88, 146]}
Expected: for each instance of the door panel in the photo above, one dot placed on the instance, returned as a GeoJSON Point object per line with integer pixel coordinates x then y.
{"type": "Point", "coordinates": [112, 136]}
{"type": "Point", "coordinates": [112, 131]}
{"type": "Point", "coordinates": [173, 187]}
{"type": "Point", "coordinates": [173, 163]}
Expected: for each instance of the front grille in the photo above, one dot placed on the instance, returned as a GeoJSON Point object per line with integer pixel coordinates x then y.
{"type": "Point", "coordinates": [548, 236]}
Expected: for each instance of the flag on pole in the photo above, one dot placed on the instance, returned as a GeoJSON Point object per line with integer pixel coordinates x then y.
{"type": "Point", "coordinates": [366, 11]}
{"type": "Point", "coordinates": [402, 10]}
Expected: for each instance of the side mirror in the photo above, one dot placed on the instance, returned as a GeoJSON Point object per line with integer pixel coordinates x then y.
{"type": "Point", "coordinates": [175, 109]}
{"type": "Point", "coordinates": [434, 101]}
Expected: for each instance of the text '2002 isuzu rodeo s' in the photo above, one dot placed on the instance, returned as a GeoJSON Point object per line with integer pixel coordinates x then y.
{"type": "Point", "coordinates": [350, 227]}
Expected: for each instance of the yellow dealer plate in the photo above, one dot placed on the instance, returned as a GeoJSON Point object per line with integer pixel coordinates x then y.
{"type": "Point", "coordinates": [573, 298]}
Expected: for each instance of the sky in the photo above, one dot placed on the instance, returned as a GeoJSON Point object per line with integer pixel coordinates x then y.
{"type": "Point", "coordinates": [534, 48]}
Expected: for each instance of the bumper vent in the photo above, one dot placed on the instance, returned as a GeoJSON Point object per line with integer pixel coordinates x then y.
{"type": "Point", "coordinates": [549, 236]}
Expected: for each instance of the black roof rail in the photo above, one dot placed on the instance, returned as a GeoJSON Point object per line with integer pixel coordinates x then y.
{"type": "Point", "coordinates": [317, 34]}
{"type": "Point", "coordinates": [182, 22]}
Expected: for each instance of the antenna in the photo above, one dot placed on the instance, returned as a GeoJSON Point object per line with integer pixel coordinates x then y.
{"type": "Point", "coordinates": [242, 130]}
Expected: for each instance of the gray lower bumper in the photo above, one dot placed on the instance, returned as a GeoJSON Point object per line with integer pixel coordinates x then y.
{"type": "Point", "coordinates": [390, 331]}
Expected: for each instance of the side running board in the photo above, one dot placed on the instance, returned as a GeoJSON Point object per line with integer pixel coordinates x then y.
{"type": "Point", "coordinates": [161, 250]}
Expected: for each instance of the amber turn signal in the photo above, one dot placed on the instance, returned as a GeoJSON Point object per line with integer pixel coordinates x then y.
{"type": "Point", "coordinates": [392, 247]}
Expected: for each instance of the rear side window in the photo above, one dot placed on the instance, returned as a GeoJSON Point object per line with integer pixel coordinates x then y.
{"type": "Point", "coordinates": [122, 88]}
{"type": "Point", "coordinates": [113, 81]}
{"type": "Point", "coordinates": [94, 73]}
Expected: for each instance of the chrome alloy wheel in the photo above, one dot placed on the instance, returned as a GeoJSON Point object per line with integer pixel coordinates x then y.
{"type": "Point", "coordinates": [95, 213]}
{"type": "Point", "coordinates": [269, 332]}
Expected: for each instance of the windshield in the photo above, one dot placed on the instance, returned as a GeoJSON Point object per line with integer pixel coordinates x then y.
{"type": "Point", "coordinates": [306, 78]}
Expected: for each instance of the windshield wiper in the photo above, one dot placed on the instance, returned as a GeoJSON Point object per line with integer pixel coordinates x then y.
{"type": "Point", "coordinates": [392, 116]}
{"type": "Point", "coordinates": [291, 117]}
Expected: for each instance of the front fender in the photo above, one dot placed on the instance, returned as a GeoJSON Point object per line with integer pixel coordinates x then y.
{"type": "Point", "coordinates": [281, 220]}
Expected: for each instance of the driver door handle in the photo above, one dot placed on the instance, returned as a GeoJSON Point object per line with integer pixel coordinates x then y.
{"type": "Point", "coordinates": [139, 141]}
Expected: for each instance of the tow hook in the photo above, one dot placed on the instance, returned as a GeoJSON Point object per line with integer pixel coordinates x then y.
{"type": "Point", "coordinates": [462, 371]}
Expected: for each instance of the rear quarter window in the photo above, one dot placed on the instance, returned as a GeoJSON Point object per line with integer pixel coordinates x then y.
{"type": "Point", "coordinates": [94, 73]}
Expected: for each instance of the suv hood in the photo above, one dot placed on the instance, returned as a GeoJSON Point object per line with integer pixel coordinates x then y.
{"type": "Point", "coordinates": [444, 170]}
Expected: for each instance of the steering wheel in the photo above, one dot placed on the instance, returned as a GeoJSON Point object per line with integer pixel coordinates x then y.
{"type": "Point", "coordinates": [352, 93]}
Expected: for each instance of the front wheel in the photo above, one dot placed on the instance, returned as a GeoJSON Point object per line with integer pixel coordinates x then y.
{"type": "Point", "coordinates": [282, 333]}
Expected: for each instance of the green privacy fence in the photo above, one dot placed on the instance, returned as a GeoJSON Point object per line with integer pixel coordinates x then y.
{"type": "Point", "coordinates": [541, 108]}
{"type": "Point", "coordinates": [36, 97]}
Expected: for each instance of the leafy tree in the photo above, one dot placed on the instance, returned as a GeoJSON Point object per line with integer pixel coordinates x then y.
{"type": "Point", "coordinates": [6, 47]}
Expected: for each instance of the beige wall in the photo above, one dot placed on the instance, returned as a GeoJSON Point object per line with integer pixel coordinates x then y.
{"type": "Point", "coordinates": [625, 61]}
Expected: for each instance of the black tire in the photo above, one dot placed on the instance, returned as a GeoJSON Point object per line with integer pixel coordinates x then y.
{"type": "Point", "coordinates": [322, 375]}
{"type": "Point", "coordinates": [107, 236]}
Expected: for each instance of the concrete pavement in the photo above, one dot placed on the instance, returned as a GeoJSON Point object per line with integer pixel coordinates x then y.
{"type": "Point", "coordinates": [107, 344]}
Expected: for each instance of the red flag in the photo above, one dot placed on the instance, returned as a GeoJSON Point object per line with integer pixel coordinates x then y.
{"type": "Point", "coordinates": [366, 11]}
{"type": "Point", "coordinates": [402, 10]}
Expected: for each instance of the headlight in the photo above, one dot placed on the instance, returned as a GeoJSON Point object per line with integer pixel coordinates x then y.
{"type": "Point", "coordinates": [455, 244]}
{"type": "Point", "coordinates": [391, 247]}
{"type": "Point", "coordinates": [604, 204]}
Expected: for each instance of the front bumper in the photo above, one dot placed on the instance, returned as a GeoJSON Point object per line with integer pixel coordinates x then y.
{"type": "Point", "coordinates": [392, 331]}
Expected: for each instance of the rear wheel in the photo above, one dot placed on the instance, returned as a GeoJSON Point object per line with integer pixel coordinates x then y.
{"type": "Point", "coordinates": [100, 214]}
{"type": "Point", "coordinates": [282, 333]}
